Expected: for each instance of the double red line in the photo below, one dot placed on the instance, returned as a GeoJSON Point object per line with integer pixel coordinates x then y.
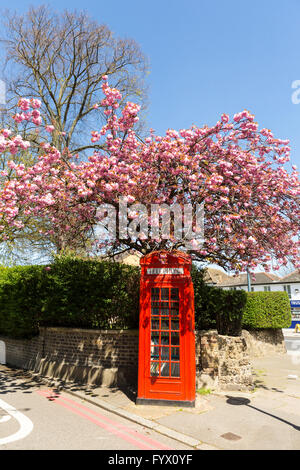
{"type": "Point", "coordinates": [139, 440]}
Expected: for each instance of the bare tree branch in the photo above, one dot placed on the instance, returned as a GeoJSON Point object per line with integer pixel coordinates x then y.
{"type": "Point", "coordinates": [60, 59]}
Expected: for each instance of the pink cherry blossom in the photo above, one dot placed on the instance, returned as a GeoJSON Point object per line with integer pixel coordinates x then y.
{"type": "Point", "coordinates": [237, 169]}
{"type": "Point", "coordinates": [49, 128]}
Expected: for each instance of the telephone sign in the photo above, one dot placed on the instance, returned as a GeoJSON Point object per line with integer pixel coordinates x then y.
{"type": "Point", "coordinates": [164, 270]}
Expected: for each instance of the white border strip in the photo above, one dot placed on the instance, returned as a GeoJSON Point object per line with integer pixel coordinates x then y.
{"type": "Point", "coordinates": [26, 425]}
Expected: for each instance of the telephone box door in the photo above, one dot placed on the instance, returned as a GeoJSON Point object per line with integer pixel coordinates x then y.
{"type": "Point", "coordinates": [168, 370]}
{"type": "Point", "coordinates": [164, 368]}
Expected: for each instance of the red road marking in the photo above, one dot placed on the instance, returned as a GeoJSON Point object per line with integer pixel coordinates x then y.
{"type": "Point", "coordinates": [118, 425]}
{"type": "Point", "coordinates": [96, 421]}
{"type": "Point", "coordinates": [110, 427]}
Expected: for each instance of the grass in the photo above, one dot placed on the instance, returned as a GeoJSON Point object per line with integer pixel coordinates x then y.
{"type": "Point", "coordinates": [203, 391]}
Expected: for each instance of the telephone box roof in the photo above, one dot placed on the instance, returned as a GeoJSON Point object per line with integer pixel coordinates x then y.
{"type": "Point", "coordinates": [166, 257]}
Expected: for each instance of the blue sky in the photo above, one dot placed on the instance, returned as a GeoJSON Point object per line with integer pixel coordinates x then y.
{"type": "Point", "coordinates": [207, 58]}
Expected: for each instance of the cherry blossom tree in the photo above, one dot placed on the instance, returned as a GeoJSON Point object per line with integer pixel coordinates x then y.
{"type": "Point", "coordinates": [234, 168]}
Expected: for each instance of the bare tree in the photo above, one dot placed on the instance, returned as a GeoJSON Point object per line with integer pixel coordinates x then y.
{"type": "Point", "coordinates": [60, 58]}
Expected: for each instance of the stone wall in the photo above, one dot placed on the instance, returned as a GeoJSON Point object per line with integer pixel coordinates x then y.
{"type": "Point", "coordinates": [224, 362]}
{"type": "Point", "coordinates": [264, 342]}
{"type": "Point", "coordinates": [111, 357]}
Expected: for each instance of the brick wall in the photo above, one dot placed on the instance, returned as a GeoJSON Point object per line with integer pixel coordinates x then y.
{"type": "Point", "coordinates": [88, 356]}
{"type": "Point", "coordinates": [22, 353]}
{"type": "Point", "coordinates": [111, 357]}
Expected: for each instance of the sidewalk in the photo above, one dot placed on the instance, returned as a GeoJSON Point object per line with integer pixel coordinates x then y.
{"type": "Point", "coordinates": [266, 419]}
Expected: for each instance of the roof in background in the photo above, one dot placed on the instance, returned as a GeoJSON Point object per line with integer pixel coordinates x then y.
{"type": "Point", "coordinates": [256, 278]}
{"type": "Point", "coordinates": [292, 277]}
{"type": "Point", "coordinates": [261, 278]}
{"type": "Point", "coordinates": [215, 276]}
{"type": "Point", "coordinates": [128, 257]}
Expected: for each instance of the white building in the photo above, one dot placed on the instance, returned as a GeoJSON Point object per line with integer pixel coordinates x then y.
{"type": "Point", "coordinates": [265, 282]}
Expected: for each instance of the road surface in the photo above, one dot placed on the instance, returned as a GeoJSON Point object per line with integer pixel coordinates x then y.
{"type": "Point", "coordinates": [32, 417]}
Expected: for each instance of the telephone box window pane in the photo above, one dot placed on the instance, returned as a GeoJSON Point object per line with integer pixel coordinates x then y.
{"type": "Point", "coordinates": [165, 369]}
{"type": "Point", "coordinates": [174, 338]}
{"type": "Point", "coordinates": [154, 338]}
{"type": "Point", "coordinates": [165, 293]}
{"type": "Point", "coordinates": [174, 293]}
{"type": "Point", "coordinates": [164, 308]}
{"type": "Point", "coordinates": [174, 308]}
{"type": "Point", "coordinates": [154, 324]}
{"type": "Point", "coordinates": [165, 331]}
{"type": "Point", "coordinates": [175, 354]}
{"type": "Point", "coordinates": [155, 293]}
{"type": "Point", "coordinates": [165, 338]}
{"type": "Point", "coordinates": [165, 351]}
{"type": "Point", "coordinates": [175, 370]}
{"type": "Point", "coordinates": [154, 352]}
{"type": "Point", "coordinates": [155, 308]}
{"type": "Point", "coordinates": [154, 370]}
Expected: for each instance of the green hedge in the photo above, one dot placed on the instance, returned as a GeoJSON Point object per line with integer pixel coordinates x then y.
{"type": "Point", "coordinates": [20, 301]}
{"type": "Point", "coordinates": [216, 308]}
{"type": "Point", "coordinates": [267, 310]}
{"type": "Point", "coordinates": [90, 294]}
{"type": "Point", "coordinates": [230, 310]}
{"type": "Point", "coordinates": [70, 292]}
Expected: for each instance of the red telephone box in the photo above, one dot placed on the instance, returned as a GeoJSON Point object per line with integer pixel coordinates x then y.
{"type": "Point", "coordinates": [166, 336]}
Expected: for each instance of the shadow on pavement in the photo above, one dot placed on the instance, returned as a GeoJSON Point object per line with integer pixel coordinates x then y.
{"type": "Point", "coordinates": [14, 380]}
{"type": "Point", "coordinates": [246, 402]}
